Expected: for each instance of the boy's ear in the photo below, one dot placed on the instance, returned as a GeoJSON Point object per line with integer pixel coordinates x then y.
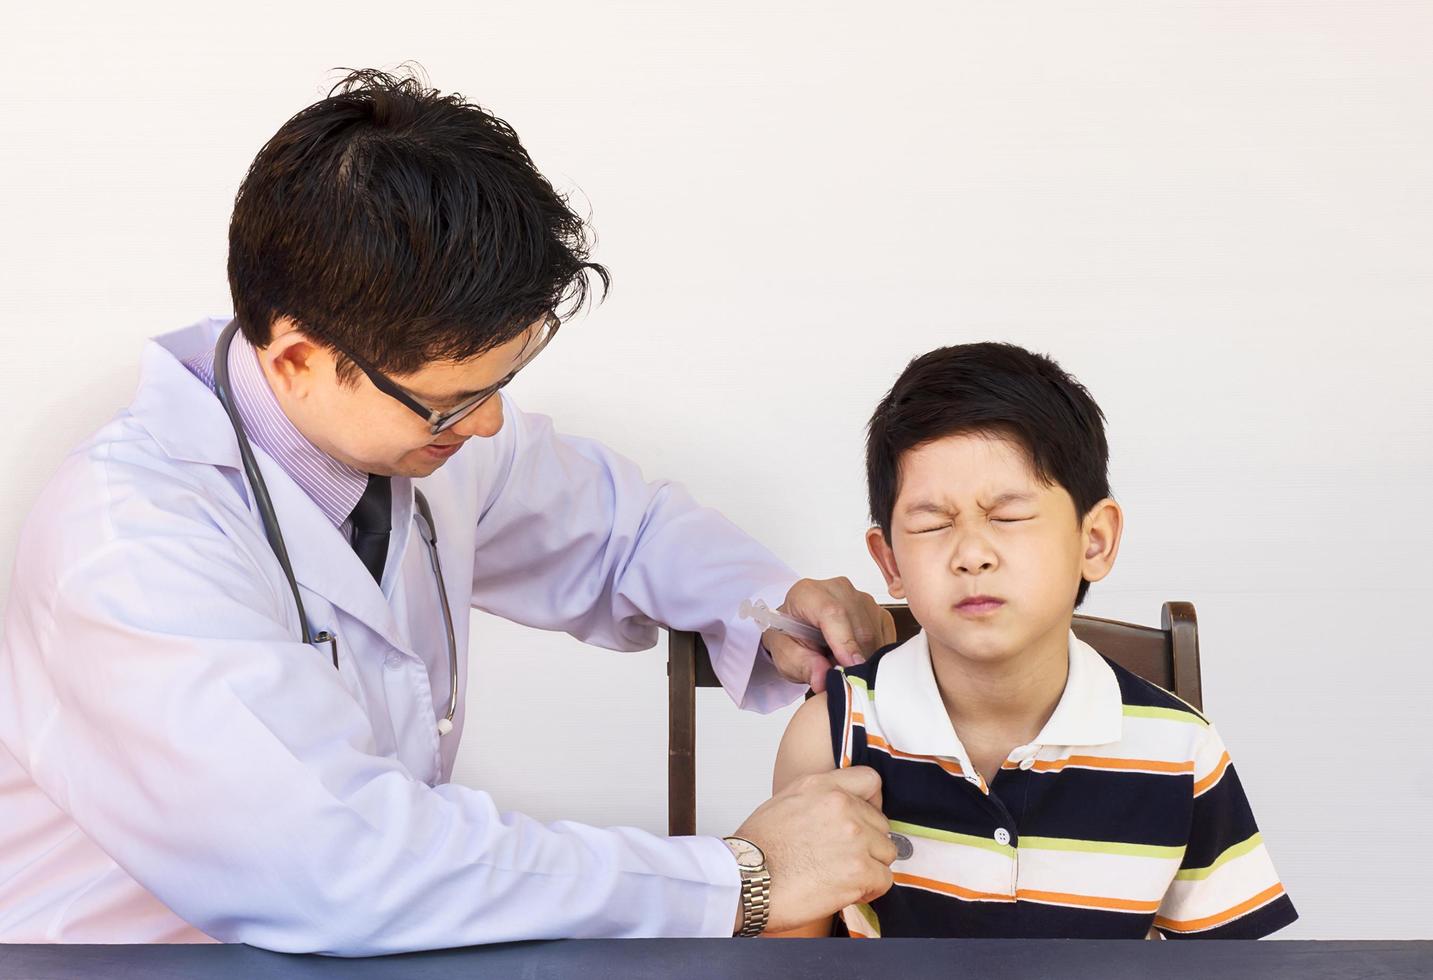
{"type": "Point", "coordinates": [885, 558]}
{"type": "Point", "coordinates": [1100, 536]}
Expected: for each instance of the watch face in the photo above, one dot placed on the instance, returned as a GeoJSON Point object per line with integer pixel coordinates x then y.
{"type": "Point", "coordinates": [747, 853]}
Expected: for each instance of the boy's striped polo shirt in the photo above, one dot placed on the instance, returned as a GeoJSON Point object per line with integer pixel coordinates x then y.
{"type": "Point", "coordinates": [1125, 813]}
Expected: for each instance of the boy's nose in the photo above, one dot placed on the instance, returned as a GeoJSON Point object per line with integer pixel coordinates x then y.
{"type": "Point", "coordinates": [973, 555]}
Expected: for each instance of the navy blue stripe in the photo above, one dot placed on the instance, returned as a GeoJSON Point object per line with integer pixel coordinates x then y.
{"type": "Point", "coordinates": [836, 711]}
{"type": "Point", "coordinates": [1222, 818]}
{"type": "Point", "coordinates": [1097, 804]}
{"type": "Point", "coordinates": [1135, 690]}
{"type": "Point", "coordinates": [1086, 804]}
{"type": "Point", "coordinates": [913, 913]}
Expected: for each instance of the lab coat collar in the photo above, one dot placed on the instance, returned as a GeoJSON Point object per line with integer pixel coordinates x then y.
{"type": "Point", "coordinates": [914, 719]}
{"type": "Point", "coordinates": [177, 409]}
{"type": "Point", "coordinates": [323, 560]}
{"type": "Point", "coordinates": [188, 423]}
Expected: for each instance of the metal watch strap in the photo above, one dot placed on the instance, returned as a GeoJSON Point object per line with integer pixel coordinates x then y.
{"type": "Point", "coordinates": [755, 902]}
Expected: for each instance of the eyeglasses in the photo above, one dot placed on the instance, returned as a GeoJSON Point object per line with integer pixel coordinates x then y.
{"type": "Point", "coordinates": [438, 421]}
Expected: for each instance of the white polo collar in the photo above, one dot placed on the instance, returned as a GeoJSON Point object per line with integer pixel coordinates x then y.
{"type": "Point", "coordinates": [913, 717]}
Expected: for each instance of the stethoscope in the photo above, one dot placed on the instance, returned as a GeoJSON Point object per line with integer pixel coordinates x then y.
{"type": "Point", "coordinates": [423, 515]}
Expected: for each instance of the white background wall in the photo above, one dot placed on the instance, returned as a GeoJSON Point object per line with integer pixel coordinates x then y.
{"type": "Point", "coordinates": [1216, 214]}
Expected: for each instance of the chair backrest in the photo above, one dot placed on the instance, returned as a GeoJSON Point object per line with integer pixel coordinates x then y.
{"type": "Point", "coordinates": [1168, 656]}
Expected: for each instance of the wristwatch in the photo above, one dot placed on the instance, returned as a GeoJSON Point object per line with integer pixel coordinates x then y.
{"type": "Point", "coordinates": [755, 885]}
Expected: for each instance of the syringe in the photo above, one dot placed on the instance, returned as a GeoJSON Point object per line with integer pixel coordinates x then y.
{"type": "Point", "coordinates": [769, 619]}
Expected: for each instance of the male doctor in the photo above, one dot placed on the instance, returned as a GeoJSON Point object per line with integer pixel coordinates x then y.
{"type": "Point", "coordinates": [188, 755]}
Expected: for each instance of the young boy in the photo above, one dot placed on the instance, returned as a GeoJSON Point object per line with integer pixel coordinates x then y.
{"type": "Point", "coordinates": [1033, 788]}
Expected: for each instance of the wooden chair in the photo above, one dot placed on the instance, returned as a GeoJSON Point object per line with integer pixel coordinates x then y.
{"type": "Point", "coordinates": [1168, 656]}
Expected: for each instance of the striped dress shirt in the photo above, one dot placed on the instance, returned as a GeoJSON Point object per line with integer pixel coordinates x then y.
{"type": "Point", "coordinates": [333, 486]}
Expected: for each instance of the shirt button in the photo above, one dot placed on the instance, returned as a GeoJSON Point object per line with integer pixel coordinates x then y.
{"type": "Point", "coordinates": [1002, 836]}
{"type": "Point", "coordinates": [393, 661]}
{"type": "Point", "coordinates": [1027, 763]}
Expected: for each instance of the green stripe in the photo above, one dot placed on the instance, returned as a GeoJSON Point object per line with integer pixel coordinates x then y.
{"type": "Point", "coordinates": [1168, 714]}
{"type": "Point", "coordinates": [861, 683]}
{"type": "Point", "coordinates": [1238, 850]}
{"type": "Point", "coordinates": [1101, 847]}
{"type": "Point", "coordinates": [869, 914]}
{"type": "Point", "coordinates": [950, 837]}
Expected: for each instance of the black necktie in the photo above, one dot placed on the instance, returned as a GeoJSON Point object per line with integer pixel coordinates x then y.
{"type": "Point", "coordinates": [372, 520]}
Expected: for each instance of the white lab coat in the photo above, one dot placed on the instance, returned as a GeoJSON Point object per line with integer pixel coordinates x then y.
{"type": "Point", "coordinates": [175, 765]}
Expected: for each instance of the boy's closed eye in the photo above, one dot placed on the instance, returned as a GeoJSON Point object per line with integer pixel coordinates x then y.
{"type": "Point", "coordinates": [1007, 518]}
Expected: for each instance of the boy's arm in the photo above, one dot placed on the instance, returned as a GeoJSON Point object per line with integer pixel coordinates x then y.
{"type": "Point", "coordinates": [806, 746]}
{"type": "Point", "coordinates": [805, 751]}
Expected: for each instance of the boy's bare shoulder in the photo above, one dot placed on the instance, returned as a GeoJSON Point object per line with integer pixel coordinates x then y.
{"type": "Point", "coordinates": [806, 746]}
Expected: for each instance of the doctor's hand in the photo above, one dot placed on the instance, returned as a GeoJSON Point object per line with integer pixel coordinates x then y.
{"type": "Point", "coordinates": [853, 624]}
{"type": "Point", "coordinates": [827, 845]}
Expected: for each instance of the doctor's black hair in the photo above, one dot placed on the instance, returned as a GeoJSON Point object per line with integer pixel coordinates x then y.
{"type": "Point", "coordinates": [997, 389]}
{"type": "Point", "coordinates": [404, 225]}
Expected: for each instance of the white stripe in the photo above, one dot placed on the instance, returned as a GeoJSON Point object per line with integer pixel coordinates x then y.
{"type": "Point", "coordinates": [970, 867]}
{"type": "Point", "coordinates": [1138, 879]}
{"type": "Point", "coordinates": [1236, 881]}
{"type": "Point", "coordinates": [1144, 739]}
{"type": "Point", "coordinates": [1151, 738]}
{"type": "Point", "coordinates": [1208, 755]}
{"type": "Point", "coordinates": [858, 923]}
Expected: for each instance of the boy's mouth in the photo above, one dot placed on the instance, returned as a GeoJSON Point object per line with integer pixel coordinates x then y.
{"type": "Point", "coordinates": [978, 605]}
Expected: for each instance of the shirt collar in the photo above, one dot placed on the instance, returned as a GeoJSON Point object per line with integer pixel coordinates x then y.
{"type": "Point", "coordinates": [333, 486]}
{"type": "Point", "coordinates": [913, 718]}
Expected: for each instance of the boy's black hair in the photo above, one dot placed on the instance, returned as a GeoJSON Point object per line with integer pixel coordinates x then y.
{"type": "Point", "coordinates": [404, 225]}
{"type": "Point", "coordinates": [994, 388]}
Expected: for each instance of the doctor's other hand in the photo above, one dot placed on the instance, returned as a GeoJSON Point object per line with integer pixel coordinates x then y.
{"type": "Point", "coordinates": [827, 845]}
{"type": "Point", "coordinates": [852, 622]}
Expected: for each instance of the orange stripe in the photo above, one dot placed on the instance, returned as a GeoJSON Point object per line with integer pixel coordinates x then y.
{"type": "Point", "coordinates": [950, 889]}
{"type": "Point", "coordinates": [1029, 895]}
{"type": "Point", "coordinates": [858, 719]}
{"type": "Point", "coordinates": [1208, 781]}
{"type": "Point", "coordinates": [1088, 901]}
{"type": "Point", "coordinates": [1099, 762]}
{"type": "Point", "coordinates": [876, 742]}
{"type": "Point", "coordinates": [1210, 921]}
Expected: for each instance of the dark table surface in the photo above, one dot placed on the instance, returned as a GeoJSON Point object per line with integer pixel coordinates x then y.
{"type": "Point", "coordinates": [692, 959]}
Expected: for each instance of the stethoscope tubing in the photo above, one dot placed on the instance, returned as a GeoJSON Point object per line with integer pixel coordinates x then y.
{"type": "Point", "coordinates": [269, 518]}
